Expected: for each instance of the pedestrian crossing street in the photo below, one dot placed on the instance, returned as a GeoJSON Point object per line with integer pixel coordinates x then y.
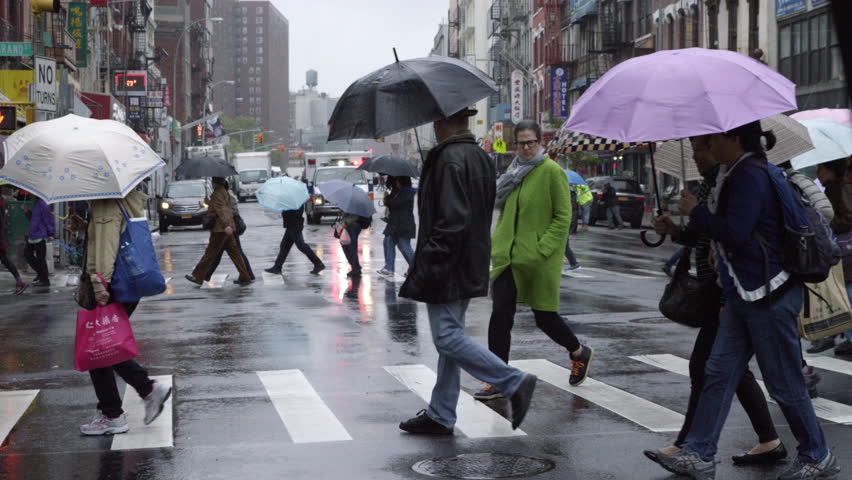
{"type": "Point", "coordinates": [308, 419]}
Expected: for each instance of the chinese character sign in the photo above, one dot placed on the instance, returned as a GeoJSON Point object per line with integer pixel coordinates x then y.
{"type": "Point", "coordinates": [517, 96]}
{"type": "Point", "coordinates": [78, 28]}
{"type": "Point", "coordinates": [559, 92]}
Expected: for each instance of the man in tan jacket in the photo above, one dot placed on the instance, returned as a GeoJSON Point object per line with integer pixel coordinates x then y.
{"type": "Point", "coordinates": [221, 236]}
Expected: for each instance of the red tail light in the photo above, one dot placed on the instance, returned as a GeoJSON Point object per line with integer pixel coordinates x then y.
{"type": "Point", "coordinates": [600, 195]}
{"type": "Point", "coordinates": [640, 199]}
{"type": "Point", "coordinates": [312, 161]}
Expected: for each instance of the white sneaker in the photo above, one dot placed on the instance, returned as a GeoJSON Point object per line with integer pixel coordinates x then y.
{"type": "Point", "coordinates": [384, 273]}
{"type": "Point", "coordinates": [103, 425]}
{"type": "Point", "coordinates": [155, 400]}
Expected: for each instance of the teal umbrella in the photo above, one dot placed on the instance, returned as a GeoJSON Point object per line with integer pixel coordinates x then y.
{"type": "Point", "coordinates": [282, 193]}
{"type": "Point", "coordinates": [832, 141]}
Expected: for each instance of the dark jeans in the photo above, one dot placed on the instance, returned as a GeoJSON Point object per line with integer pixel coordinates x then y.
{"type": "Point", "coordinates": [103, 379]}
{"type": "Point", "coordinates": [390, 245]}
{"type": "Point", "coordinates": [672, 262]}
{"type": "Point", "coordinates": [294, 237]}
{"type": "Point", "coordinates": [613, 216]}
{"type": "Point", "coordinates": [351, 250]}
{"type": "Point", "coordinates": [504, 294]}
{"type": "Point", "coordinates": [748, 391]}
{"type": "Point", "coordinates": [569, 254]}
{"type": "Point", "coordinates": [36, 255]}
{"type": "Point", "coordinates": [769, 332]}
{"type": "Point", "coordinates": [10, 265]}
{"type": "Point", "coordinates": [218, 259]}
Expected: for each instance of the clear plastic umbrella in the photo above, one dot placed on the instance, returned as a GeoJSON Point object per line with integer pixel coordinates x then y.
{"type": "Point", "coordinates": [282, 193]}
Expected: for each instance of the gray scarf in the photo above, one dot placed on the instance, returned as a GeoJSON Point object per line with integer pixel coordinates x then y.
{"type": "Point", "coordinates": [515, 175]}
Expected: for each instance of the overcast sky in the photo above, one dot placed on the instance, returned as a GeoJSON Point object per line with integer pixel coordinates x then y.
{"type": "Point", "coordinates": [346, 39]}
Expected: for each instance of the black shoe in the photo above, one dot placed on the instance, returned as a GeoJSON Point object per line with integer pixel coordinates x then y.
{"type": "Point", "coordinates": [521, 399]}
{"type": "Point", "coordinates": [844, 348]}
{"type": "Point", "coordinates": [580, 366]}
{"type": "Point", "coordinates": [318, 268]}
{"type": "Point", "coordinates": [821, 345]}
{"type": "Point", "coordinates": [193, 279]}
{"type": "Point", "coordinates": [41, 283]}
{"type": "Point", "coordinates": [354, 273]}
{"type": "Point", "coordinates": [243, 283]}
{"type": "Point", "coordinates": [766, 458]}
{"type": "Point", "coordinates": [422, 424]}
{"type": "Point", "coordinates": [273, 270]}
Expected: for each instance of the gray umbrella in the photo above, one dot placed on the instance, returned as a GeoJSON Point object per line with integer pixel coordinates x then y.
{"type": "Point", "coordinates": [390, 165]}
{"type": "Point", "coordinates": [407, 94]}
{"type": "Point", "coordinates": [348, 197]}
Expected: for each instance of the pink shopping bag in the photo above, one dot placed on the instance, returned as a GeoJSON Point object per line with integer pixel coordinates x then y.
{"type": "Point", "coordinates": [104, 338]}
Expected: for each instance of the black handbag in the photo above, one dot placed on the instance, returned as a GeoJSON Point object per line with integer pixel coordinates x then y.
{"type": "Point", "coordinates": [85, 293]}
{"type": "Point", "coordinates": [688, 300]}
{"type": "Point", "coordinates": [240, 223]}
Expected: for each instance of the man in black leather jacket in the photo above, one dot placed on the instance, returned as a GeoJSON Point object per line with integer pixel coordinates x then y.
{"type": "Point", "coordinates": [294, 222]}
{"type": "Point", "coordinates": [451, 266]}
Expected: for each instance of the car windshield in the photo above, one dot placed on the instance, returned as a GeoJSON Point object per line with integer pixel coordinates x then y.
{"type": "Point", "coordinates": [621, 186]}
{"type": "Point", "coordinates": [185, 190]}
{"type": "Point", "coordinates": [252, 176]}
{"type": "Point", "coordinates": [350, 175]}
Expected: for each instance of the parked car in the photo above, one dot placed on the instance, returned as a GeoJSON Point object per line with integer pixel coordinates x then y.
{"type": "Point", "coordinates": [183, 204]}
{"type": "Point", "coordinates": [317, 206]}
{"type": "Point", "coordinates": [631, 199]}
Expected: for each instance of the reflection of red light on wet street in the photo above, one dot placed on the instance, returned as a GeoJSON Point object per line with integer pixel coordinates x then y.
{"type": "Point", "coordinates": [10, 464]}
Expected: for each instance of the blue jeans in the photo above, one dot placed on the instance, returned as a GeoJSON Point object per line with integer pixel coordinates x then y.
{"type": "Point", "coordinates": [768, 332]}
{"type": "Point", "coordinates": [456, 351]}
{"type": "Point", "coordinates": [351, 250]}
{"type": "Point", "coordinates": [391, 243]}
{"type": "Point", "coordinates": [585, 211]}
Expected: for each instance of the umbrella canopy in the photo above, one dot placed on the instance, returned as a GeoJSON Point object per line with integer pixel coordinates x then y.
{"type": "Point", "coordinates": [842, 115]}
{"type": "Point", "coordinates": [680, 93]}
{"type": "Point", "coordinates": [569, 141]}
{"type": "Point", "coordinates": [390, 165]}
{"type": "Point", "coordinates": [792, 139]}
{"type": "Point", "coordinates": [205, 167]}
{"type": "Point", "coordinates": [574, 178]}
{"type": "Point", "coordinates": [832, 141]}
{"type": "Point", "coordinates": [407, 94]}
{"type": "Point", "coordinates": [348, 197]}
{"type": "Point", "coordinates": [282, 193]}
{"type": "Point", "coordinates": [76, 158]}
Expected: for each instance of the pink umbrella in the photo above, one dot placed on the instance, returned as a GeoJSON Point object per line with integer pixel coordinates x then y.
{"type": "Point", "coordinates": [680, 93]}
{"type": "Point", "coordinates": [840, 115]}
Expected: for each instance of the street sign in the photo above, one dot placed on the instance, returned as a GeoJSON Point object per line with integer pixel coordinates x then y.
{"type": "Point", "coordinates": [45, 84]}
{"type": "Point", "coordinates": [517, 96]}
{"type": "Point", "coordinates": [155, 99]}
{"type": "Point", "coordinates": [16, 49]}
{"type": "Point", "coordinates": [499, 146]}
{"type": "Point", "coordinates": [134, 108]}
{"type": "Point", "coordinates": [498, 130]}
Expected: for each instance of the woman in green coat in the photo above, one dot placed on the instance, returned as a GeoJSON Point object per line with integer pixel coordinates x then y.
{"type": "Point", "coordinates": [526, 251]}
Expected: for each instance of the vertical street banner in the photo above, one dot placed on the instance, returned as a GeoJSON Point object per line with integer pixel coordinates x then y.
{"type": "Point", "coordinates": [167, 95]}
{"type": "Point", "coordinates": [789, 7]}
{"type": "Point", "coordinates": [517, 96]}
{"type": "Point", "coordinates": [559, 93]}
{"type": "Point", "coordinates": [78, 28]}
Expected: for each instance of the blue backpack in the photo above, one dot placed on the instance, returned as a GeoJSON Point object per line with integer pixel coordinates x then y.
{"type": "Point", "coordinates": [136, 272]}
{"type": "Point", "coordinates": [809, 248]}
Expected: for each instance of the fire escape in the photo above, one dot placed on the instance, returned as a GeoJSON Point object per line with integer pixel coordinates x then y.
{"type": "Point", "coordinates": [454, 30]}
{"type": "Point", "coordinates": [500, 69]}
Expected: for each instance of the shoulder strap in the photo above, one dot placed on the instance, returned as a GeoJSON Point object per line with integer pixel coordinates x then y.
{"type": "Point", "coordinates": [123, 211]}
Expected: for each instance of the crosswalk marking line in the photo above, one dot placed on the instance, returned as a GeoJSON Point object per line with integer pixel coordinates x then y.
{"type": "Point", "coordinates": [13, 404]}
{"type": "Point", "coordinates": [216, 281]}
{"type": "Point", "coordinates": [574, 274]}
{"type": "Point", "coordinates": [650, 272]}
{"type": "Point", "coordinates": [475, 420]}
{"type": "Point", "coordinates": [159, 434]}
{"type": "Point", "coordinates": [828, 363]}
{"type": "Point", "coordinates": [824, 408]}
{"type": "Point", "coordinates": [272, 279]}
{"type": "Point", "coordinates": [655, 418]}
{"type": "Point", "coordinates": [618, 274]}
{"type": "Point", "coordinates": [305, 415]}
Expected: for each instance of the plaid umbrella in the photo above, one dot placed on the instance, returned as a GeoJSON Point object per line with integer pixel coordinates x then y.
{"type": "Point", "coordinates": [569, 141]}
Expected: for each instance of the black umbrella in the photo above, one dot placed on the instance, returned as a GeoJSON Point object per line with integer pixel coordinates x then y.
{"type": "Point", "coordinates": [405, 95]}
{"type": "Point", "coordinates": [205, 167]}
{"type": "Point", "coordinates": [389, 165]}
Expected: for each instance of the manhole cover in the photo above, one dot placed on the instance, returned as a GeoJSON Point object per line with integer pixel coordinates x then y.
{"type": "Point", "coordinates": [483, 466]}
{"type": "Point", "coordinates": [651, 320]}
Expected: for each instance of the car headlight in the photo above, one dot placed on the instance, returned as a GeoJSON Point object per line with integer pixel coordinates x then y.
{"type": "Point", "coordinates": [204, 205]}
{"type": "Point", "coordinates": [318, 201]}
{"type": "Point", "coordinates": [165, 205]}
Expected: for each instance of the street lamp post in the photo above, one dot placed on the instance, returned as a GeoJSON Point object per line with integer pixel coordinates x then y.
{"type": "Point", "coordinates": [206, 101]}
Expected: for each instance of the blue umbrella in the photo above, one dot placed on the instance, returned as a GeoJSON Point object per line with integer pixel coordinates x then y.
{"type": "Point", "coordinates": [348, 197]}
{"type": "Point", "coordinates": [574, 178]}
{"type": "Point", "coordinates": [282, 193]}
{"type": "Point", "coordinates": [832, 141]}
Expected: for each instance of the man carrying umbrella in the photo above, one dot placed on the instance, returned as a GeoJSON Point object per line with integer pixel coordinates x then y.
{"type": "Point", "coordinates": [221, 236]}
{"type": "Point", "coordinates": [451, 263]}
{"type": "Point", "coordinates": [294, 222]}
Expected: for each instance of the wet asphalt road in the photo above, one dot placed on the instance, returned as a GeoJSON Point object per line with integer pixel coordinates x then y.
{"type": "Point", "coordinates": [220, 345]}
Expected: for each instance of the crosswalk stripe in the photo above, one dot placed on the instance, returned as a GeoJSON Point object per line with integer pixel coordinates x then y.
{"type": "Point", "coordinates": [216, 281]}
{"type": "Point", "coordinates": [828, 363]}
{"type": "Point", "coordinates": [159, 434]}
{"type": "Point", "coordinates": [824, 408]}
{"type": "Point", "coordinates": [618, 274]}
{"type": "Point", "coordinates": [305, 415]}
{"type": "Point", "coordinates": [272, 279]}
{"type": "Point", "coordinates": [650, 272]}
{"type": "Point", "coordinates": [575, 274]}
{"type": "Point", "coordinates": [655, 418]}
{"type": "Point", "coordinates": [13, 404]}
{"type": "Point", "coordinates": [474, 419]}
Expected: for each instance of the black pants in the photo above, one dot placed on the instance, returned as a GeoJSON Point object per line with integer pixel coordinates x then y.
{"type": "Point", "coordinates": [505, 294]}
{"type": "Point", "coordinates": [10, 265]}
{"type": "Point", "coordinates": [36, 255]}
{"type": "Point", "coordinates": [351, 251]}
{"type": "Point", "coordinates": [103, 379]}
{"type": "Point", "coordinates": [569, 254]}
{"type": "Point", "coordinates": [294, 237]}
{"type": "Point", "coordinates": [218, 259]}
{"type": "Point", "coordinates": [748, 391]}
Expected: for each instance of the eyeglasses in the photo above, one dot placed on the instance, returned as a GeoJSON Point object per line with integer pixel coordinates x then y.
{"type": "Point", "coordinates": [527, 144]}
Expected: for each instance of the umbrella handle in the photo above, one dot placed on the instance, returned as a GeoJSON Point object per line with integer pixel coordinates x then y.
{"type": "Point", "coordinates": [644, 236]}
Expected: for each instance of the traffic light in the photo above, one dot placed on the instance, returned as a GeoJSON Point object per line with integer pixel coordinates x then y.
{"type": "Point", "coordinates": [8, 118]}
{"type": "Point", "coordinates": [281, 148]}
{"type": "Point", "coordinates": [39, 6]}
{"type": "Point", "coordinates": [199, 133]}
{"type": "Point", "coordinates": [258, 139]}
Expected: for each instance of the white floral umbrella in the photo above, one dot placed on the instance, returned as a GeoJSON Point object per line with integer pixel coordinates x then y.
{"type": "Point", "coordinates": [75, 158]}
